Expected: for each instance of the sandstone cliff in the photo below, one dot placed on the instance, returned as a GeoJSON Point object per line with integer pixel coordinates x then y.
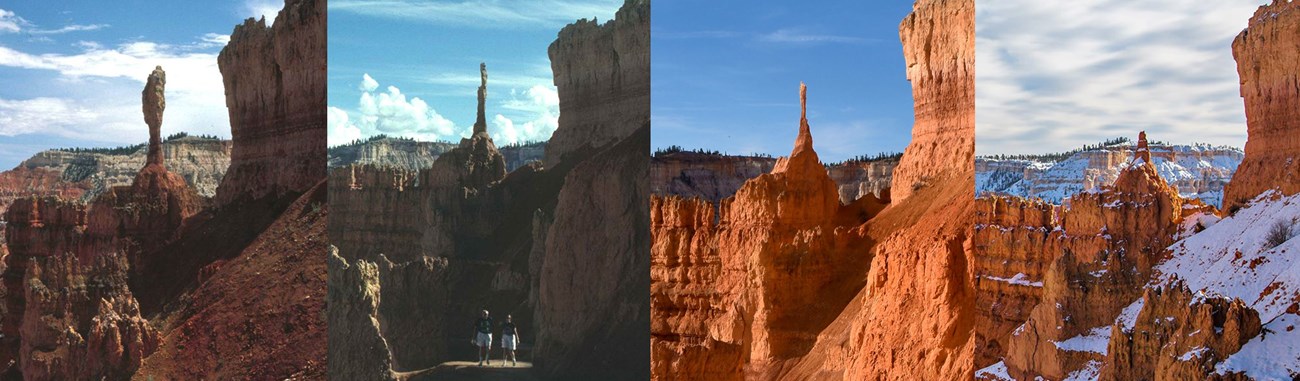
{"type": "Point", "coordinates": [1269, 66]}
{"type": "Point", "coordinates": [715, 177]}
{"type": "Point", "coordinates": [600, 74]}
{"type": "Point", "coordinates": [790, 284]}
{"type": "Point", "coordinates": [414, 155]}
{"type": "Point", "coordinates": [274, 80]}
{"type": "Point", "coordinates": [84, 175]}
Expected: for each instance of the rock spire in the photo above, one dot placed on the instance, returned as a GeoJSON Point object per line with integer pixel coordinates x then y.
{"type": "Point", "coordinates": [480, 124]}
{"type": "Point", "coordinates": [154, 103]}
{"type": "Point", "coordinates": [1142, 152]}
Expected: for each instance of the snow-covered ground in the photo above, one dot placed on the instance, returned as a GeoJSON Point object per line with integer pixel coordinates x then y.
{"type": "Point", "coordinates": [1231, 258]}
{"type": "Point", "coordinates": [1198, 171]}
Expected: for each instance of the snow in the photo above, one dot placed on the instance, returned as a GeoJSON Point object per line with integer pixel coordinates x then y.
{"type": "Point", "coordinates": [1274, 356]}
{"type": "Point", "coordinates": [1129, 316]}
{"type": "Point", "coordinates": [1195, 353]}
{"type": "Point", "coordinates": [1094, 341]}
{"type": "Point", "coordinates": [1020, 279]}
{"type": "Point", "coordinates": [994, 372]}
{"type": "Point", "coordinates": [1230, 259]}
{"type": "Point", "coordinates": [1089, 372]}
{"type": "Point", "coordinates": [1086, 171]}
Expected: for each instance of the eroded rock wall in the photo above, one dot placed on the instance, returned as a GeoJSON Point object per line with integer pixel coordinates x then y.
{"type": "Point", "coordinates": [602, 76]}
{"type": "Point", "coordinates": [1268, 62]}
{"type": "Point", "coordinates": [275, 85]}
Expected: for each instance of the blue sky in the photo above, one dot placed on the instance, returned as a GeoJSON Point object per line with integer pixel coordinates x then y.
{"type": "Point", "coordinates": [1052, 76]}
{"type": "Point", "coordinates": [410, 68]}
{"type": "Point", "coordinates": [72, 71]}
{"type": "Point", "coordinates": [725, 76]}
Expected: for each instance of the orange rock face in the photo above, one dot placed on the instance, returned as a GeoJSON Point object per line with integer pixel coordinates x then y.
{"type": "Point", "coordinates": [787, 283]}
{"type": "Point", "coordinates": [1268, 62]}
{"type": "Point", "coordinates": [939, 46]}
{"type": "Point", "coordinates": [747, 291]}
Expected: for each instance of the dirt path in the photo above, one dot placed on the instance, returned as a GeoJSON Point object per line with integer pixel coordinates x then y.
{"type": "Point", "coordinates": [470, 371]}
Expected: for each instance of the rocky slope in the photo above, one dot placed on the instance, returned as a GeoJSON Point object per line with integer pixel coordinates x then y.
{"type": "Point", "coordinates": [414, 155]}
{"type": "Point", "coordinates": [715, 177]}
{"type": "Point", "coordinates": [1197, 171]}
{"type": "Point", "coordinates": [272, 77]}
{"type": "Point", "coordinates": [464, 235]}
{"type": "Point", "coordinates": [790, 284]}
{"type": "Point", "coordinates": [84, 175]}
{"type": "Point", "coordinates": [1269, 66]}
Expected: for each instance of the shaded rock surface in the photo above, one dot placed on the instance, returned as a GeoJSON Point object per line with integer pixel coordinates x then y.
{"type": "Point", "coordinates": [464, 234]}
{"type": "Point", "coordinates": [414, 155]}
{"type": "Point", "coordinates": [274, 78]}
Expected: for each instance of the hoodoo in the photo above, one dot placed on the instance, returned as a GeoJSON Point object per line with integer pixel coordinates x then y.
{"type": "Point", "coordinates": [153, 103]}
{"type": "Point", "coordinates": [480, 124]}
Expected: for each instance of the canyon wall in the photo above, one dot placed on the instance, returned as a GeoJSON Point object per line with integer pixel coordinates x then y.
{"type": "Point", "coordinates": [1197, 171]}
{"type": "Point", "coordinates": [414, 155]}
{"type": "Point", "coordinates": [84, 175]}
{"type": "Point", "coordinates": [715, 177]}
{"type": "Point", "coordinates": [938, 45]}
{"type": "Point", "coordinates": [274, 78]}
{"type": "Point", "coordinates": [1268, 63]}
{"type": "Point", "coordinates": [600, 74]}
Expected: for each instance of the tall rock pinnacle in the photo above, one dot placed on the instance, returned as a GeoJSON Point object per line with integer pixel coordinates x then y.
{"type": "Point", "coordinates": [480, 125]}
{"type": "Point", "coordinates": [1143, 153]}
{"type": "Point", "coordinates": [154, 102]}
{"type": "Point", "coordinates": [803, 155]}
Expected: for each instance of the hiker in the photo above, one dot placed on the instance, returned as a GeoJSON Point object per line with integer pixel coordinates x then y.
{"type": "Point", "coordinates": [509, 340]}
{"type": "Point", "coordinates": [483, 338]}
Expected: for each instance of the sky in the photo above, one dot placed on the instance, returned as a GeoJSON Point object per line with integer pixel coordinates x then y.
{"type": "Point", "coordinates": [72, 71]}
{"type": "Point", "coordinates": [411, 68]}
{"type": "Point", "coordinates": [1052, 76]}
{"type": "Point", "coordinates": [725, 76]}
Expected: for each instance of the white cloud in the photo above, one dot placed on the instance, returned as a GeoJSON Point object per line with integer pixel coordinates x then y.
{"type": "Point", "coordinates": [541, 101]}
{"type": "Point", "coordinates": [1055, 75]}
{"type": "Point", "coordinates": [793, 35]}
{"type": "Point", "coordinates": [69, 28]}
{"type": "Point", "coordinates": [10, 22]}
{"type": "Point", "coordinates": [341, 131]}
{"type": "Point", "coordinates": [368, 84]}
{"type": "Point", "coordinates": [104, 84]}
{"type": "Point", "coordinates": [389, 112]}
{"type": "Point", "coordinates": [268, 9]}
{"type": "Point", "coordinates": [483, 14]}
{"type": "Point", "coordinates": [37, 115]}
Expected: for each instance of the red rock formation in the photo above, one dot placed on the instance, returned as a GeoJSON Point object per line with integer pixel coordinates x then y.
{"type": "Point", "coordinates": [1098, 249]}
{"type": "Point", "coordinates": [1178, 335]}
{"type": "Point", "coordinates": [600, 74]}
{"type": "Point", "coordinates": [894, 295]}
{"type": "Point", "coordinates": [715, 177]}
{"type": "Point", "coordinates": [938, 44]}
{"type": "Point", "coordinates": [275, 86]}
{"type": "Point", "coordinates": [1012, 247]}
{"type": "Point", "coordinates": [1268, 62]}
{"type": "Point", "coordinates": [747, 291]}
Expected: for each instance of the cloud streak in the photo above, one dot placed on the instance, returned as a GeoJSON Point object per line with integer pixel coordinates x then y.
{"type": "Point", "coordinates": [491, 14]}
{"type": "Point", "coordinates": [1053, 76]}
